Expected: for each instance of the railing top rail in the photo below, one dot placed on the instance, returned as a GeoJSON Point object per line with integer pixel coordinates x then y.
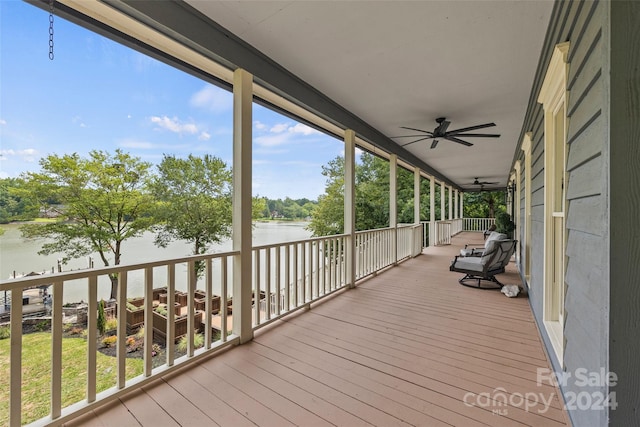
{"type": "Point", "coordinates": [293, 242]}
{"type": "Point", "coordinates": [28, 281]}
{"type": "Point", "coordinates": [374, 230]}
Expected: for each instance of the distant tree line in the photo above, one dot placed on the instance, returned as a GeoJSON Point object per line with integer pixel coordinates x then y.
{"type": "Point", "coordinates": [289, 209]}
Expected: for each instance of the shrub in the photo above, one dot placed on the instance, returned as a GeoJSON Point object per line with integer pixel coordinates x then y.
{"type": "Point", "coordinates": [42, 326]}
{"type": "Point", "coordinates": [140, 333]}
{"type": "Point", "coordinates": [198, 341]}
{"type": "Point", "coordinates": [5, 332]}
{"type": "Point", "coordinates": [161, 310]}
{"type": "Point", "coordinates": [504, 224]}
{"type": "Point", "coordinates": [109, 341]}
{"type": "Point", "coordinates": [111, 325]}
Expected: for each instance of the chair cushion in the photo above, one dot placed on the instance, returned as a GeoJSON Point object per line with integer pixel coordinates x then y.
{"type": "Point", "coordinates": [494, 236]}
{"type": "Point", "coordinates": [489, 250]}
{"type": "Point", "coordinates": [469, 263]}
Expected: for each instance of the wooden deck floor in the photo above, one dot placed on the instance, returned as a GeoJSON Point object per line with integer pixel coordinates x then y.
{"type": "Point", "coordinates": [407, 347]}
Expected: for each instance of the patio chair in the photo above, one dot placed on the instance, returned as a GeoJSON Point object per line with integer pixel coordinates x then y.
{"type": "Point", "coordinates": [466, 251]}
{"type": "Point", "coordinates": [493, 261]}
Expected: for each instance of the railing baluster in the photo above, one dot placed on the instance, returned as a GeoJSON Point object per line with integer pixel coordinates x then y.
{"type": "Point", "coordinates": [267, 276]}
{"type": "Point", "coordinates": [191, 320]}
{"type": "Point", "coordinates": [278, 282]}
{"type": "Point", "coordinates": [121, 331]}
{"type": "Point", "coordinates": [15, 406]}
{"type": "Point", "coordinates": [148, 321]}
{"type": "Point", "coordinates": [303, 273]}
{"type": "Point", "coordinates": [208, 309]}
{"type": "Point", "coordinates": [56, 350]}
{"type": "Point", "coordinates": [92, 327]}
{"type": "Point", "coordinates": [256, 286]}
{"type": "Point", "coordinates": [287, 282]}
{"type": "Point", "coordinates": [316, 245]}
{"type": "Point", "coordinates": [295, 275]}
{"type": "Point", "coordinates": [171, 324]}
{"type": "Point", "coordinates": [223, 298]}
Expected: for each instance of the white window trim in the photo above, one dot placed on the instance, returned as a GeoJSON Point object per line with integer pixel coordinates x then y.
{"type": "Point", "coordinates": [553, 97]}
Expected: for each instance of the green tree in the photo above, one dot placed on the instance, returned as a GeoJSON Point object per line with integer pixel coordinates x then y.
{"type": "Point", "coordinates": [328, 217]}
{"type": "Point", "coordinates": [15, 203]}
{"type": "Point", "coordinates": [371, 198]}
{"type": "Point", "coordinates": [194, 197]}
{"type": "Point", "coordinates": [103, 202]}
{"type": "Point", "coordinates": [102, 322]}
{"type": "Point", "coordinates": [483, 204]}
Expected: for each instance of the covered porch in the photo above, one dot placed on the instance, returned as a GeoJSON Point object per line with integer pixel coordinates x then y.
{"type": "Point", "coordinates": [407, 346]}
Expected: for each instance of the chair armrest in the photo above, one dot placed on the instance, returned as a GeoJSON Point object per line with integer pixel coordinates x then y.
{"type": "Point", "coordinates": [453, 263]}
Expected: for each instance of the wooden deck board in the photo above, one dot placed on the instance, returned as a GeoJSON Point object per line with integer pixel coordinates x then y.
{"type": "Point", "coordinates": [407, 347]}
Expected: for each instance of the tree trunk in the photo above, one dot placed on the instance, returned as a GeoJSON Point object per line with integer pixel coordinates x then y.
{"type": "Point", "coordinates": [114, 285]}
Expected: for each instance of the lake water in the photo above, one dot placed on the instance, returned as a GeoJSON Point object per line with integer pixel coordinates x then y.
{"type": "Point", "coordinates": [20, 256]}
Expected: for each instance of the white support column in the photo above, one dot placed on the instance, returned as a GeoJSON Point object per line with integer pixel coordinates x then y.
{"type": "Point", "coordinates": [516, 218]}
{"type": "Point", "coordinates": [242, 173]}
{"type": "Point", "coordinates": [349, 205]}
{"type": "Point", "coordinates": [416, 195]}
{"type": "Point", "coordinates": [393, 203]}
{"type": "Point", "coordinates": [432, 211]}
{"type": "Point", "coordinates": [442, 201]}
{"type": "Point", "coordinates": [456, 212]}
{"type": "Point", "coordinates": [450, 203]}
{"type": "Point", "coordinates": [462, 206]}
{"type": "Point", "coordinates": [526, 243]}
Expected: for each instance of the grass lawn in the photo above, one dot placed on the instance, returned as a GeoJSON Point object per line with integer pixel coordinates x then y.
{"type": "Point", "coordinates": [36, 374]}
{"type": "Point", "coordinates": [45, 220]}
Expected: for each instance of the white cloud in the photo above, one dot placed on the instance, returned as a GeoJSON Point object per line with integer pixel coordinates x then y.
{"type": "Point", "coordinates": [204, 136]}
{"type": "Point", "coordinates": [284, 133]}
{"type": "Point", "coordinates": [273, 140]}
{"type": "Point", "coordinates": [279, 128]}
{"type": "Point", "coordinates": [213, 99]}
{"type": "Point", "coordinates": [259, 125]}
{"type": "Point", "coordinates": [303, 129]}
{"type": "Point", "coordinates": [174, 125]}
{"type": "Point", "coordinates": [29, 155]}
{"type": "Point", "coordinates": [3, 122]}
{"type": "Point", "coordinates": [129, 116]}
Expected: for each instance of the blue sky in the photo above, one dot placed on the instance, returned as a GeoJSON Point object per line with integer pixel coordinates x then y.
{"type": "Point", "coordinates": [97, 94]}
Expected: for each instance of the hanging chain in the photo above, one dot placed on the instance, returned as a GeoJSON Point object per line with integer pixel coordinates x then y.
{"type": "Point", "coordinates": [51, 29]}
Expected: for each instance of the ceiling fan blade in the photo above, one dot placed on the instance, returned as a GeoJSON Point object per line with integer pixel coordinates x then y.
{"type": "Point", "coordinates": [419, 130]}
{"type": "Point", "coordinates": [417, 140]}
{"type": "Point", "coordinates": [434, 143]}
{"type": "Point", "coordinates": [457, 131]}
{"type": "Point", "coordinates": [407, 136]}
{"type": "Point", "coordinates": [459, 141]}
{"type": "Point", "coordinates": [477, 135]}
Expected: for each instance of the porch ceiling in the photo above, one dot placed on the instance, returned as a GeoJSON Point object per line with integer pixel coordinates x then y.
{"type": "Point", "coordinates": [405, 63]}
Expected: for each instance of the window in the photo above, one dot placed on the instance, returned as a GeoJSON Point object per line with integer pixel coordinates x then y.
{"type": "Point", "coordinates": [553, 97]}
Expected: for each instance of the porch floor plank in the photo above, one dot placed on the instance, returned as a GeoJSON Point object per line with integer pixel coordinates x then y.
{"type": "Point", "coordinates": [409, 346]}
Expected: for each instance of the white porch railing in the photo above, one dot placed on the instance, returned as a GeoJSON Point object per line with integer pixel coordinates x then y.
{"type": "Point", "coordinates": [288, 275]}
{"type": "Point", "coordinates": [478, 224]}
